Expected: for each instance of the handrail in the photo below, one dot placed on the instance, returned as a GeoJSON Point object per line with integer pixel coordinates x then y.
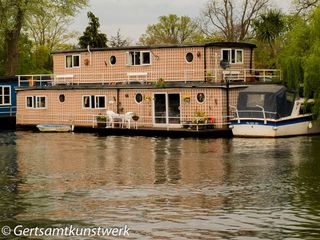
{"type": "Point", "coordinates": [263, 112]}
{"type": "Point", "coordinates": [12, 110]}
{"type": "Point", "coordinates": [215, 75]}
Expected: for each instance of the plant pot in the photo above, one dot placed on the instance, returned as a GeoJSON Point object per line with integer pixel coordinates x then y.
{"type": "Point", "coordinates": [101, 124]}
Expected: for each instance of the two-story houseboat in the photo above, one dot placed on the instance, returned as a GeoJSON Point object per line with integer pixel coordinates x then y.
{"type": "Point", "coordinates": [166, 86]}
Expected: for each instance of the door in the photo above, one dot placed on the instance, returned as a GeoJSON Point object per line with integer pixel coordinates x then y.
{"type": "Point", "coordinates": [166, 109]}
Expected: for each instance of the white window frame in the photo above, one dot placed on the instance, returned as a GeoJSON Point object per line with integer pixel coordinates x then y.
{"type": "Point", "coordinates": [4, 95]}
{"type": "Point", "coordinates": [72, 61]}
{"type": "Point", "coordinates": [96, 102]}
{"type": "Point", "coordinates": [130, 58]}
{"type": "Point", "coordinates": [32, 102]}
{"type": "Point", "coordinates": [236, 50]}
{"type": "Point", "coordinates": [83, 106]}
{"type": "Point", "coordinates": [37, 101]}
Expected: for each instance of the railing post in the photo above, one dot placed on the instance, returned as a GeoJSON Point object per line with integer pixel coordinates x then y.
{"type": "Point", "coordinates": [264, 114]}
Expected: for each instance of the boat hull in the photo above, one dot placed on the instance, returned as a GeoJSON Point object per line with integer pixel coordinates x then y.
{"type": "Point", "coordinates": [54, 128]}
{"type": "Point", "coordinates": [275, 128]}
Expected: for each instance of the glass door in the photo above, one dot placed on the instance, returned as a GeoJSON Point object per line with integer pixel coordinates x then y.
{"type": "Point", "coordinates": [166, 108]}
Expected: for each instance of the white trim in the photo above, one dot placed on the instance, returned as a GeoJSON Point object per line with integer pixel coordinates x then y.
{"type": "Point", "coordinates": [82, 102]}
{"type": "Point", "coordinates": [135, 98]}
{"type": "Point", "coordinates": [130, 58]}
{"type": "Point", "coordinates": [4, 95]}
{"type": "Point", "coordinates": [95, 102]}
{"type": "Point", "coordinates": [167, 124]}
{"type": "Point", "coordinates": [205, 98]}
{"type": "Point", "coordinates": [32, 102]}
{"type": "Point", "coordinates": [112, 64]}
{"type": "Point", "coordinates": [185, 58]}
{"type": "Point", "coordinates": [37, 101]}
{"type": "Point", "coordinates": [72, 63]}
{"type": "Point", "coordinates": [230, 55]}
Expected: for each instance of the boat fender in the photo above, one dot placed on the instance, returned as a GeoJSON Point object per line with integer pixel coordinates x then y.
{"type": "Point", "coordinates": [310, 125]}
{"type": "Point", "coordinates": [275, 128]}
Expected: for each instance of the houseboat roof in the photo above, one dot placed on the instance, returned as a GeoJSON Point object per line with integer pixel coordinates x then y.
{"type": "Point", "coordinates": [265, 88]}
{"type": "Point", "coordinates": [212, 44]}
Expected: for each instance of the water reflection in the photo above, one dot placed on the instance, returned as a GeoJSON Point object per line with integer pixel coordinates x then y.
{"type": "Point", "coordinates": [164, 188]}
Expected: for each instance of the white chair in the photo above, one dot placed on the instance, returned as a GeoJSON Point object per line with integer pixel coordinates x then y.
{"type": "Point", "coordinates": [114, 117]}
{"type": "Point", "coordinates": [128, 118]}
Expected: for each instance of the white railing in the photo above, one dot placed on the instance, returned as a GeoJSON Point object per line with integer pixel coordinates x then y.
{"type": "Point", "coordinates": [112, 77]}
{"type": "Point", "coordinates": [90, 120]}
{"type": "Point", "coordinates": [252, 114]}
{"type": "Point", "coordinates": [8, 111]}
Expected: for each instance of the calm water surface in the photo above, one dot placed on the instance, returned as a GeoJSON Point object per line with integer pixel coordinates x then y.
{"type": "Point", "coordinates": [163, 188]}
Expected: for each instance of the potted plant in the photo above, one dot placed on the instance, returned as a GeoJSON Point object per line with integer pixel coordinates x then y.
{"type": "Point", "coordinates": [135, 117]}
{"type": "Point", "coordinates": [199, 121]}
{"type": "Point", "coordinates": [101, 121]}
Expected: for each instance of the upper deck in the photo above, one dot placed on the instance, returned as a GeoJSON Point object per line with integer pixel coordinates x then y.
{"type": "Point", "coordinates": [148, 64]}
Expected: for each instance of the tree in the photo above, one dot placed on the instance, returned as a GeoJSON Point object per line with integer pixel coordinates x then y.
{"type": "Point", "coordinates": [303, 7]}
{"type": "Point", "coordinates": [47, 24]}
{"type": "Point", "coordinates": [230, 18]}
{"type": "Point", "coordinates": [268, 28]}
{"type": "Point", "coordinates": [118, 40]}
{"type": "Point", "coordinates": [171, 29]}
{"type": "Point", "coordinates": [300, 59]}
{"type": "Point", "coordinates": [14, 14]}
{"type": "Point", "coordinates": [92, 36]}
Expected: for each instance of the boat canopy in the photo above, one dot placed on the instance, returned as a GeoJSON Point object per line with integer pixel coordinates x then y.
{"type": "Point", "coordinates": [276, 101]}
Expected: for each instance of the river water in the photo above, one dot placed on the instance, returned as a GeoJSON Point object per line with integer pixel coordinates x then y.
{"type": "Point", "coordinates": [163, 188]}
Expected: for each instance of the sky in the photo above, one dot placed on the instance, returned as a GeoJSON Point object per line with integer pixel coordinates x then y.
{"type": "Point", "coordinates": [133, 16]}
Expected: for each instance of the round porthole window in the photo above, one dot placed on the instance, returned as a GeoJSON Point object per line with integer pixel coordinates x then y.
{"type": "Point", "coordinates": [189, 57]}
{"type": "Point", "coordinates": [138, 98]}
{"type": "Point", "coordinates": [113, 60]}
{"type": "Point", "coordinates": [201, 97]}
{"type": "Point", "coordinates": [62, 98]}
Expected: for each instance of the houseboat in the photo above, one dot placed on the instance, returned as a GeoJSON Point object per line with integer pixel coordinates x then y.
{"type": "Point", "coordinates": [176, 86]}
{"type": "Point", "coordinates": [272, 111]}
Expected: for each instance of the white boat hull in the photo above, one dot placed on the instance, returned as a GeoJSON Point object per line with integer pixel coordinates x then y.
{"type": "Point", "coordinates": [276, 128]}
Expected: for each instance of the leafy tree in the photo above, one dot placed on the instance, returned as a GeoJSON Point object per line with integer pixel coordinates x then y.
{"type": "Point", "coordinates": [268, 27]}
{"type": "Point", "coordinates": [92, 36]}
{"type": "Point", "coordinates": [47, 24]}
{"type": "Point", "coordinates": [230, 18]}
{"type": "Point", "coordinates": [301, 57]}
{"type": "Point", "coordinates": [19, 15]}
{"type": "Point", "coordinates": [171, 29]}
{"type": "Point", "coordinates": [118, 40]}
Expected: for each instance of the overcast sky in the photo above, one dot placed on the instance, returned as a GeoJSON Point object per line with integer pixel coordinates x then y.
{"type": "Point", "coordinates": [133, 16]}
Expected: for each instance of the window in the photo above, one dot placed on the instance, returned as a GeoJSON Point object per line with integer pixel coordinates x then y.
{"type": "Point", "coordinates": [93, 101]}
{"type": "Point", "coordinates": [5, 95]}
{"type": "Point", "coordinates": [138, 98]}
{"type": "Point", "coordinates": [62, 98]}
{"type": "Point", "coordinates": [138, 58]}
{"type": "Point", "coordinates": [232, 55]}
{"type": "Point", "coordinates": [36, 102]}
{"type": "Point", "coordinates": [255, 99]}
{"type": "Point", "coordinates": [100, 102]}
{"type": "Point", "coordinates": [72, 61]}
{"type": "Point", "coordinates": [113, 60]}
{"type": "Point", "coordinates": [189, 57]}
{"type": "Point", "coordinates": [201, 97]}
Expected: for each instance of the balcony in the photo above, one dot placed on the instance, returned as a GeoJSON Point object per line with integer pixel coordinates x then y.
{"type": "Point", "coordinates": [210, 75]}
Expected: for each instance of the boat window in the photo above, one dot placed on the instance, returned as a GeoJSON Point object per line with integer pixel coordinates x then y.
{"type": "Point", "coordinates": [113, 60]}
{"type": "Point", "coordinates": [138, 98]}
{"type": "Point", "coordinates": [40, 102]}
{"type": "Point", "coordinates": [189, 57]}
{"type": "Point", "coordinates": [100, 102]}
{"type": "Point", "coordinates": [61, 98]}
{"type": "Point", "coordinates": [255, 99]}
{"type": "Point", "coordinates": [29, 102]}
{"type": "Point", "coordinates": [94, 101]}
{"type": "Point", "coordinates": [201, 97]}
{"type": "Point", "coordinates": [232, 55]}
{"type": "Point", "coordinates": [5, 95]}
{"type": "Point", "coordinates": [290, 97]}
{"type": "Point", "coordinates": [138, 58]}
{"type": "Point", "coordinates": [72, 61]}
